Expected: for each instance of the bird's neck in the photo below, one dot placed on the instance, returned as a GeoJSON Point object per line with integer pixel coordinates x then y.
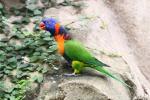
{"type": "Point", "coordinates": [60, 39]}
{"type": "Point", "coordinates": [61, 33]}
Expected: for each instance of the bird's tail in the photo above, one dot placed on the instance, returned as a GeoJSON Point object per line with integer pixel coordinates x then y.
{"type": "Point", "coordinates": [105, 72]}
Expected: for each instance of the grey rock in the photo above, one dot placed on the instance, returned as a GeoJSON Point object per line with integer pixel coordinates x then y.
{"type": "Point", "coordinates": [103, 26]}
{"type": "Point", "coordinates": [106, 28]}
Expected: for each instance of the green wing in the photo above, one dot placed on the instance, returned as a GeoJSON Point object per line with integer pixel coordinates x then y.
{"type": "Point", "coordinates": [76, 51]}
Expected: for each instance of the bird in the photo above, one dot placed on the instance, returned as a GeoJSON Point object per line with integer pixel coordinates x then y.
{"type": "Point", "coordinates": [74, 51]}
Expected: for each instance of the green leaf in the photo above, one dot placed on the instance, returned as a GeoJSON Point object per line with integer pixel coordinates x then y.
{"type": "Point", "coordinates": [9, 89]}
{"type": "Point", "coordinates": [45, 69]}
{"type": "Point", "coordinates": [2, 66]}
{"type": "Point", "coordinates": [40, 49]}
{"type": "Point", "coordinates": [6, 88]}
{"type": "Point", "coordinates": [22, 66]}
{"type": "Point", "coordinates": [2, 86]}
{"type": "Point", "coordinates": [24, 75]}
{"type": "Point", "coordinates": [17, 13]}
{"type": "Point", "coordinates": [12, 60]}
{"type": "Point", "coordinates": [2, 56]}
{"type": "Point", "coordinates": [18, 47]}
{"type": "Point", "coordinates": [31, 7]}
{"type": "Point", "coordinates": [40, 79]}
{"type": "Point", "coordinates": [41, 42]}
{"type": "Point", "coordinates": [10, 67]}
{"type": "Point", "coordinates": [2, 44]}
{"type": "Point", "coordinates": [28, 41]}
{"type": "Point", "coordinates": [34, 58]}
{"type": "Point", "coordinates": [44, 54]}
{"type": "Point", "coordinates": [31, 2]}
{"type": "Point", "coordinates": [45, 34]}
{"type": "Point", "coordinates": [12, 98]}
{"type": "Point", "coordinates": [1, 6]}
{"type": "Point", "coordinates": [27, 67]}
{"type": "Point", "coordinates": [36, 53]}
{"type": "Point", "coordinates": [42, 57]}
{"type": "Point", "coordinates": [52, 48]}
{"type": "Point", "coordinates": [17, 22]}
{"type": "Point", "coordinates": [25, 20]}
{"type": "Point", "coordinates": [31, 68]}
{"type": "Point", "coordinates": [26, 32]}
{"type": "Point", "coordinates": [18, 74]}
{"type": "Point", "coordinates": [9, 48]}
{"type": "Point", "coordinates": [20, 36]}
{"type": "Point", "coordinates": [6, 96]}
{"type": "Point", "coordinates": [40, 68]}
{"type": "Point", "coordinates": [8, 72]}
{"type": "Point", "coordinates": [1, 76]}
{"type": "Point", "coordinates": [37, 78]}
{"type": "Point", "coordinates": [47, 39]}
{"type": "Point", "coordinates": [4, 39]}
{"type": "Point", "coordinates": [37, 12]}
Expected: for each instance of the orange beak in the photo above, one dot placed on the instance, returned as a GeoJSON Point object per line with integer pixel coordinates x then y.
{"type": "Point", "coordinates": [42, 26]}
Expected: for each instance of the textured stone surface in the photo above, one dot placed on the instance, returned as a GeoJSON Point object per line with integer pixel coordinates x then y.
{"type": "Point", "coordinates": [107, 28]}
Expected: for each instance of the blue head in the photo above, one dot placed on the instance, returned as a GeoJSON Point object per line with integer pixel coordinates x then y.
{"type": "Point", "coordinates": [49, 24]}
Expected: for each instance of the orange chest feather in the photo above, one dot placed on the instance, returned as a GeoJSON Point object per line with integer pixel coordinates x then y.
{"type": "Point", "coordinates": [60, 43]}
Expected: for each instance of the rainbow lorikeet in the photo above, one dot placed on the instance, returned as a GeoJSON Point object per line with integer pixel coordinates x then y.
{"type": "Point", "coordinates": [73, 51]}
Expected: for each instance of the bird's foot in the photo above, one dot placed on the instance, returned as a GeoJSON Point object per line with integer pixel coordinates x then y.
{"type": "Point", "coordinates": [71, 75]}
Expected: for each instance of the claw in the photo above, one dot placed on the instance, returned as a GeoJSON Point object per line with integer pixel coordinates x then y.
{"type": "Point", "coordinates": [71, 75]}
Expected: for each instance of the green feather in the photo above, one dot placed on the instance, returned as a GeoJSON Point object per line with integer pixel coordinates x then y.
{"type": "Point", "coordinates": [105, 72]}
{"type": "Point", "coordinates": [76, 51]}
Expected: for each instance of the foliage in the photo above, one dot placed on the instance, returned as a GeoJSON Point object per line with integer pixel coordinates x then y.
{"type": "Point", "coordinates": [3, 25]}
{"type": "Point", "coordinates": [18, 61]}
{"type": "Point", "coordinates": [25, 57]}
{"type": "Point", "coordinates": [16, 92]}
